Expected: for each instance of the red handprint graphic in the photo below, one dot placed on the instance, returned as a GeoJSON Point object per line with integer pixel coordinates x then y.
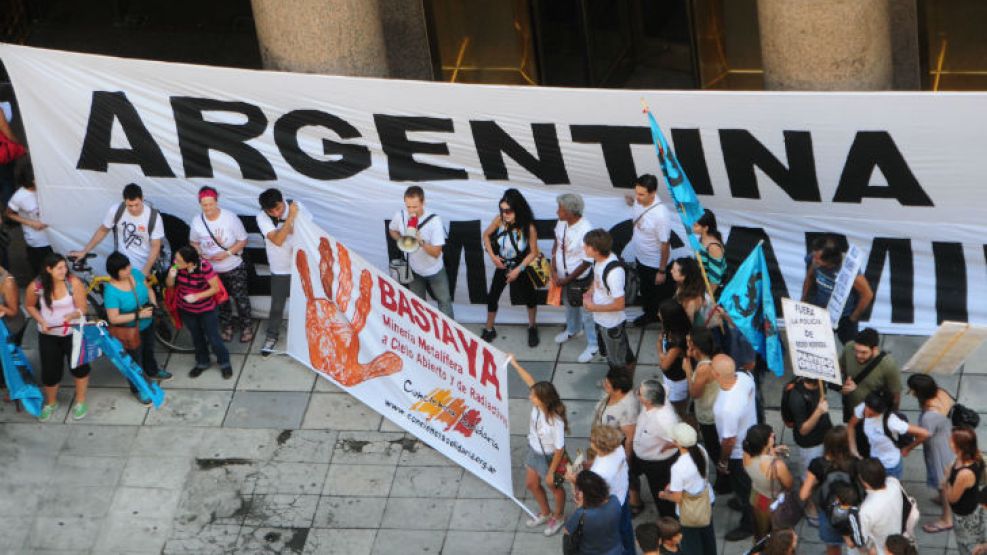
{"type": "Point", "coordinates": [333, 340]}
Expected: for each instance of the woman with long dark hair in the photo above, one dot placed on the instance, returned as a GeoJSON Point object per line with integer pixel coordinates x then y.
{"type": "Point", "coordinates": [935, 404]}
{"type": "Point", "coordinates": [196, 286]}
{"type": "Point", "coordinates": [712, 253]}
{"type": "Point", "coordinates": [546, 444]}
{"type": "Point", "coordinates": [836, 457]}
{"type": "Point", "coordinates": [511, 242]}
{"type": "Point", "coordinates": [689, 482]}
{"type": "Point", "coordinates": [769, 475]}
{"type": "Point", "coordinates": [690, 289]}
{"type": "Point", "coordinates": [961, 486]}
{"type": "Point", "coordinates": [56, 300]}
{"type": "Point", "coordinates": [672, 348]}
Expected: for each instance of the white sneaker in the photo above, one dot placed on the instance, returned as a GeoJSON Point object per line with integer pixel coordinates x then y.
{"type": "Point", "coordinates": [554, 525]}
{"type": "Point", "coordinates": [588, 354]}
{"type": "Point", "coordinates": [565, 336]}
{"type": "Point", "coordinates": [536, 521]}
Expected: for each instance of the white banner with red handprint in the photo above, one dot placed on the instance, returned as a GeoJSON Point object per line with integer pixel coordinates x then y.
{"type": "Point", "coordinates": [360, 329]}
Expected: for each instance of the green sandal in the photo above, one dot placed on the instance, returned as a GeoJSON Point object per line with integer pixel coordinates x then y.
{"type": "Point", "coordinates": [80, 410]}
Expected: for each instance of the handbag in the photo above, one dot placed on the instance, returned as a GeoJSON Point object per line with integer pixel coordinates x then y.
{"type": "Point", "coordinates": [787, 510]}
{"type": "Point", "coordinates": [85, 343]}
{"type": "Point", "coordinates": [539, 271]}
{"type": "Point", "coordinates": [571, 542]}
{"type": "Point", "coordinates": [554, 297]}
{"type": "Point", "coordinates": [576, 288]}
{"type": "Point", "coordinates": [129, 336]}
{"type": "Point", "coordinates": [222, 295]}
{"type": "Point", "coordinates": [696, 511]}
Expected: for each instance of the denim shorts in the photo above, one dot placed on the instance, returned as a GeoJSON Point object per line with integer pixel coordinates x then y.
{"type": "Point", "coordinates": [537, 462]}
{"type": "Point", "coordinates": [827, 534]}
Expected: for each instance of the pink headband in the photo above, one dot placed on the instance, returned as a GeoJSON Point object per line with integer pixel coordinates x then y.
{"type": "Point", "coordinates": [208, 193]}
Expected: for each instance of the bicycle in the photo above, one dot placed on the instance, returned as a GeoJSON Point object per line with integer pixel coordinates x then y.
{"type": "Point", "coordinates": [165, 331]}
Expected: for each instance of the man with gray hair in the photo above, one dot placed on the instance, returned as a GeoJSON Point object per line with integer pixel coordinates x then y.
{"type": "Point", "coordinates": [571, 271]}
{"type": "Point", "coordinates": [734, 413]}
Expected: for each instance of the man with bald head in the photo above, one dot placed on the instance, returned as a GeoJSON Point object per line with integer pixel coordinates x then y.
{"type": "Point", "coordinates": [734, 413]}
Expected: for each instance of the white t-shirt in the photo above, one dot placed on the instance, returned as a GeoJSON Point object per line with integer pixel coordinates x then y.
{"type": "Point", "coordinates": [551, 434]}
{"type": "Point", "coordinates": [602, 295]}
{"type": "Point", "coordinates": [279, 258]}
{"type": "Point", "coordinates": [881, 446]}
{"type": "Point", "coordinates": [651, 230]}
{"type": "Point", "coordinates": [685, 477]}
{"type": "Point", "coordinates": [228, 229]}
{"type": "Point", "coordinates": [25, 203]}
{"type": "Point", "coordinates": [880, 514]}
{"type": "Point", "coordinates": [613, 469]}
{"type": "Point", "coordinates": [432, 233]}
{"type": "Point", "coordinates": [132, 237]}
{"type": "Point", "coordinates": [734, 412]}
{"type": "Point", "coordinates": [653, 434]}
{"type": "Point", "coordinates": [570, 241]}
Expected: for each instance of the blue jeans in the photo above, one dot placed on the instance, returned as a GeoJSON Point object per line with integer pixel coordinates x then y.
{"type": "Point", "coordinates": [438, 284]}
{"type": "Point", "coordinates": [204, 329]}
{"type": "Point", "coordinates": [627, 528]}
{"type": "Point", "coordinates": [576, 320]}
{"type": "Point", "coordinates": [898, 470]}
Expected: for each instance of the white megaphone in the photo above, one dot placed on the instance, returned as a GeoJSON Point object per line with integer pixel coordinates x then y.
{"type": "Point", "coordinates": [408, 243]}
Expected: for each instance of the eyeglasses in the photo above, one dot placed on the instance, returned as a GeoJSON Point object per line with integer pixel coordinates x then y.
{"type": "Point", "coordinates": [506, 211]}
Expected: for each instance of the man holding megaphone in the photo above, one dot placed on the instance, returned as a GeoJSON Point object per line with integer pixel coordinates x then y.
{"type": "Point", "coordinates": [420, 236]}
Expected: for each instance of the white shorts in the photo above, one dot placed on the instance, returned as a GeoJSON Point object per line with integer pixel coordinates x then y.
{"type": "Point", "coordinates": [676, 390]}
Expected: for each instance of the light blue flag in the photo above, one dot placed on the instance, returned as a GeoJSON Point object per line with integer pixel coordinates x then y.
{"type": "Point", "coordinates": [679, 187]}
{"type": "Point", "coordinates": [748, 301]}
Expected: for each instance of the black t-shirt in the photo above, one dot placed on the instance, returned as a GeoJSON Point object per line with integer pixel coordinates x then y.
{"type": "Point", "coordinates": [802, 403]}
{"type": "Point", "coordinates": [675, 372]}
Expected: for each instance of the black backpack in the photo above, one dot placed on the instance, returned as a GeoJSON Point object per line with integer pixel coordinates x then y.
{"type": "Point", "coordinates": [786, 395]}
{"type": "Point", "coordinates": [900, 441]}
{"type": "Point", "coordinates": [631, 285]}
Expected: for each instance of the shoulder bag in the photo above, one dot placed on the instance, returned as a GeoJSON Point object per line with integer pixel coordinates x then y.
{"type": "Point", "coordinates": [571, 542]}
{"type": "Point", "coordinates": [129, 336]}
{"type": "Point", "coordinates": [786, 509]}
{"type": "Point", "coordinates": [696, 511]}
{"type": "Point", "coordinates": [539, 271]}
{"type": "Point", "coordinates": [577, 287]}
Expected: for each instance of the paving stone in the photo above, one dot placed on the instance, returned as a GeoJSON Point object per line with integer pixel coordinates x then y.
{"type": "Point", "coordinates": [540, 370]}
{"type": "Point", "coordinates": [349, 512]}
{"type": "Point", "coordinates": [572, 348]}
{"type": "Point", "coordinates": [426, 481]}
{"type": "Point", "coordinates": [323, 541]}
{"type": "Point", "coordinates": [65, 533]}
{"type": "Point", "coordinates": [32, 437]}
{"type": "Point", "coordinates": [75, 501]}
{"type": "Point", "coordinates": [973, 391]}
{"type": "Point", "coordinates": [271, 540]}
{"type": "Point", "coordinates": [288, 477]}
{"type": "Point", "coordinates": [237, 443]}
{"type": "Point", "coordinates": [514, 339]}
{"type": "Point", "coordinates": [105, 374]}
{"type": "Point", "coordinates": [215, 494]}
{"type": "Point", "coordinates": [489, 515]}
{"type": "Point", "coordinates": [82, 470]}
{"type": "Point", "coordinates": [30, 469]}
{"type": "Point", "coordinates": [179, 364]}
{"type": "Point", "coordinates": [323, 385]}
{"type": "Point", "coordinates": [19, 499]}
{"type": "Point", "coordinates": [15, 529]}
{"type": "Point", "coordinates": [387, 426]}
{"type": "Point", "coordinates": [976, 363]}
{"type": "Point", "coordinates": [275, 373]}
{"type": "Point", "coordinates": [417, 513]}
{"type": "Point", "coordinates": [580, 415]}
{"type": "Point", "coordinates": [371, 447]}
{"type": "Point", "coordinates": [133, 534]}
{"type": "Point", "coordinates": [902, 347]}
{"type": "Point", "coordinates": [281, 510]}
{"type": "Point", "coordinates": [647, 353]}
{"type": "Point", "coordinates": [305, 445]}
{"type": "Point", "coordinates": [578, 381]}
{"type": "Point", "coordinates": [167, 441]}
{"type": "Point", "coordinates": [191, 408]}
{"type": "Point", "coordinates": [359, 480]}
{"type": "Point", "coordinates": [156, 472]}
{"type": "Point", "coordinates": [103, 441]}
{"type": "Point", "coordinates": [214, 539]}
{"type": "Point", "coordinates": [526, 542]}
{"type": "Point", "coordinates": [418, 453]}
{"type": "Point", "coordinates": [478, 543]}
{"type": "Point", "coordinates": [266, 409]}
{"type": "Point", "coordinates": [155, 503]}
{"type": "Point", "coordinates": [519, 415]}
{"type": "Point", "coordinates": [8, 411]}
{"type": "Point", "coordinates": [339, 411]}
{"type": "Point", "coordinates": [112, 406]}
{"type": "Point", "coordinates": [471, 487]}
{"type": "Point", "coordinates": [408, 542]}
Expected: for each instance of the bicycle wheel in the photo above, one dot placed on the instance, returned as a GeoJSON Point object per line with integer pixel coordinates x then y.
{"type": "Point", "coordinates": [176, 340]}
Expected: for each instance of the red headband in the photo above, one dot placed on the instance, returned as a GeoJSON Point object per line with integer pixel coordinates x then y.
{"type": "Point", "coordinates": [208, 193]}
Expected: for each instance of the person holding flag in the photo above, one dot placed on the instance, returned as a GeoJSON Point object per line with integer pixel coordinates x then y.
{"type": "Point", "coordinates": [652, 228]}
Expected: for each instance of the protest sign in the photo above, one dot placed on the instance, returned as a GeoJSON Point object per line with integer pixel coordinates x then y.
{"type": "Point", "coordinates": [811, 344]}
{"type": "Point", "coordinates": [852, 261]}
{"type": "Point", "coordinates": [358, 328]}
{"type": "Point", "coordinates": [947, 349]}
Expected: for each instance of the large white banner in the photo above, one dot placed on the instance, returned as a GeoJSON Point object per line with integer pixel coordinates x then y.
{"type": "Point", "coordinates": [357, 327]}
{"type": "Point", "coordinates": [898, 174]}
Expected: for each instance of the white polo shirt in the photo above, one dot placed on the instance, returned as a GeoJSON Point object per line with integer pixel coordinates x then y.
{"type": "Point", "coordinates": [652, 228]}
{"type": "Point", "coordinates": [570, 253]}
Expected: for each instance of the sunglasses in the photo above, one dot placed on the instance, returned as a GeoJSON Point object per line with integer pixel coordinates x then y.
{"type": "Point", "coordinates": [506, 211]}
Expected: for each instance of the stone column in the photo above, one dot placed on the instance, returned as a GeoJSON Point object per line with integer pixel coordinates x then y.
{"type": "Point", "coordinates": [826, 45]}
{"type": "Point", "coordinates": [338, 37]}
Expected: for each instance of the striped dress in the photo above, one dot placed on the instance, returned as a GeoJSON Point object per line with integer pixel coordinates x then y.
{"type": "Point", "coordinates": [715, 267]}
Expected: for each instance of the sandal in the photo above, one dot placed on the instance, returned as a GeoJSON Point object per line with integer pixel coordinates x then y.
{"type": "Point", "coordinates": [226, 334]}
{"type": "Point", "coordinates": [247, 335]}
{"type": "Point", "coordinates": [935, 528]}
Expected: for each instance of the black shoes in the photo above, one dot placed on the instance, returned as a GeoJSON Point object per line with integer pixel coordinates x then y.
{"type": "Point", "coordinates": [488, 335]}
{"type": "Point", "coordinates": [227, 372]}
{"type": "Point", "coordinates": [643, 320]}
{"type": "Point", "coordinates": [533, 339]}
{"type": "Point", "coordinates": [196, 372]}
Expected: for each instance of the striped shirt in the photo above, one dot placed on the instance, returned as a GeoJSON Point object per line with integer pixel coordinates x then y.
{"type": "Point", "coordinates": [195, 282]}
{"type": "Point", "coordinates": [715, 267]}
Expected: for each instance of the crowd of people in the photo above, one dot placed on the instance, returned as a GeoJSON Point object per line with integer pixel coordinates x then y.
{"type": "Point", "coordinates": [695, 430]}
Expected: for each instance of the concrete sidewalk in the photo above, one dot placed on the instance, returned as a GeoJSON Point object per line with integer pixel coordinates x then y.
{"type": "Point", "coordinates": [277, 460]}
